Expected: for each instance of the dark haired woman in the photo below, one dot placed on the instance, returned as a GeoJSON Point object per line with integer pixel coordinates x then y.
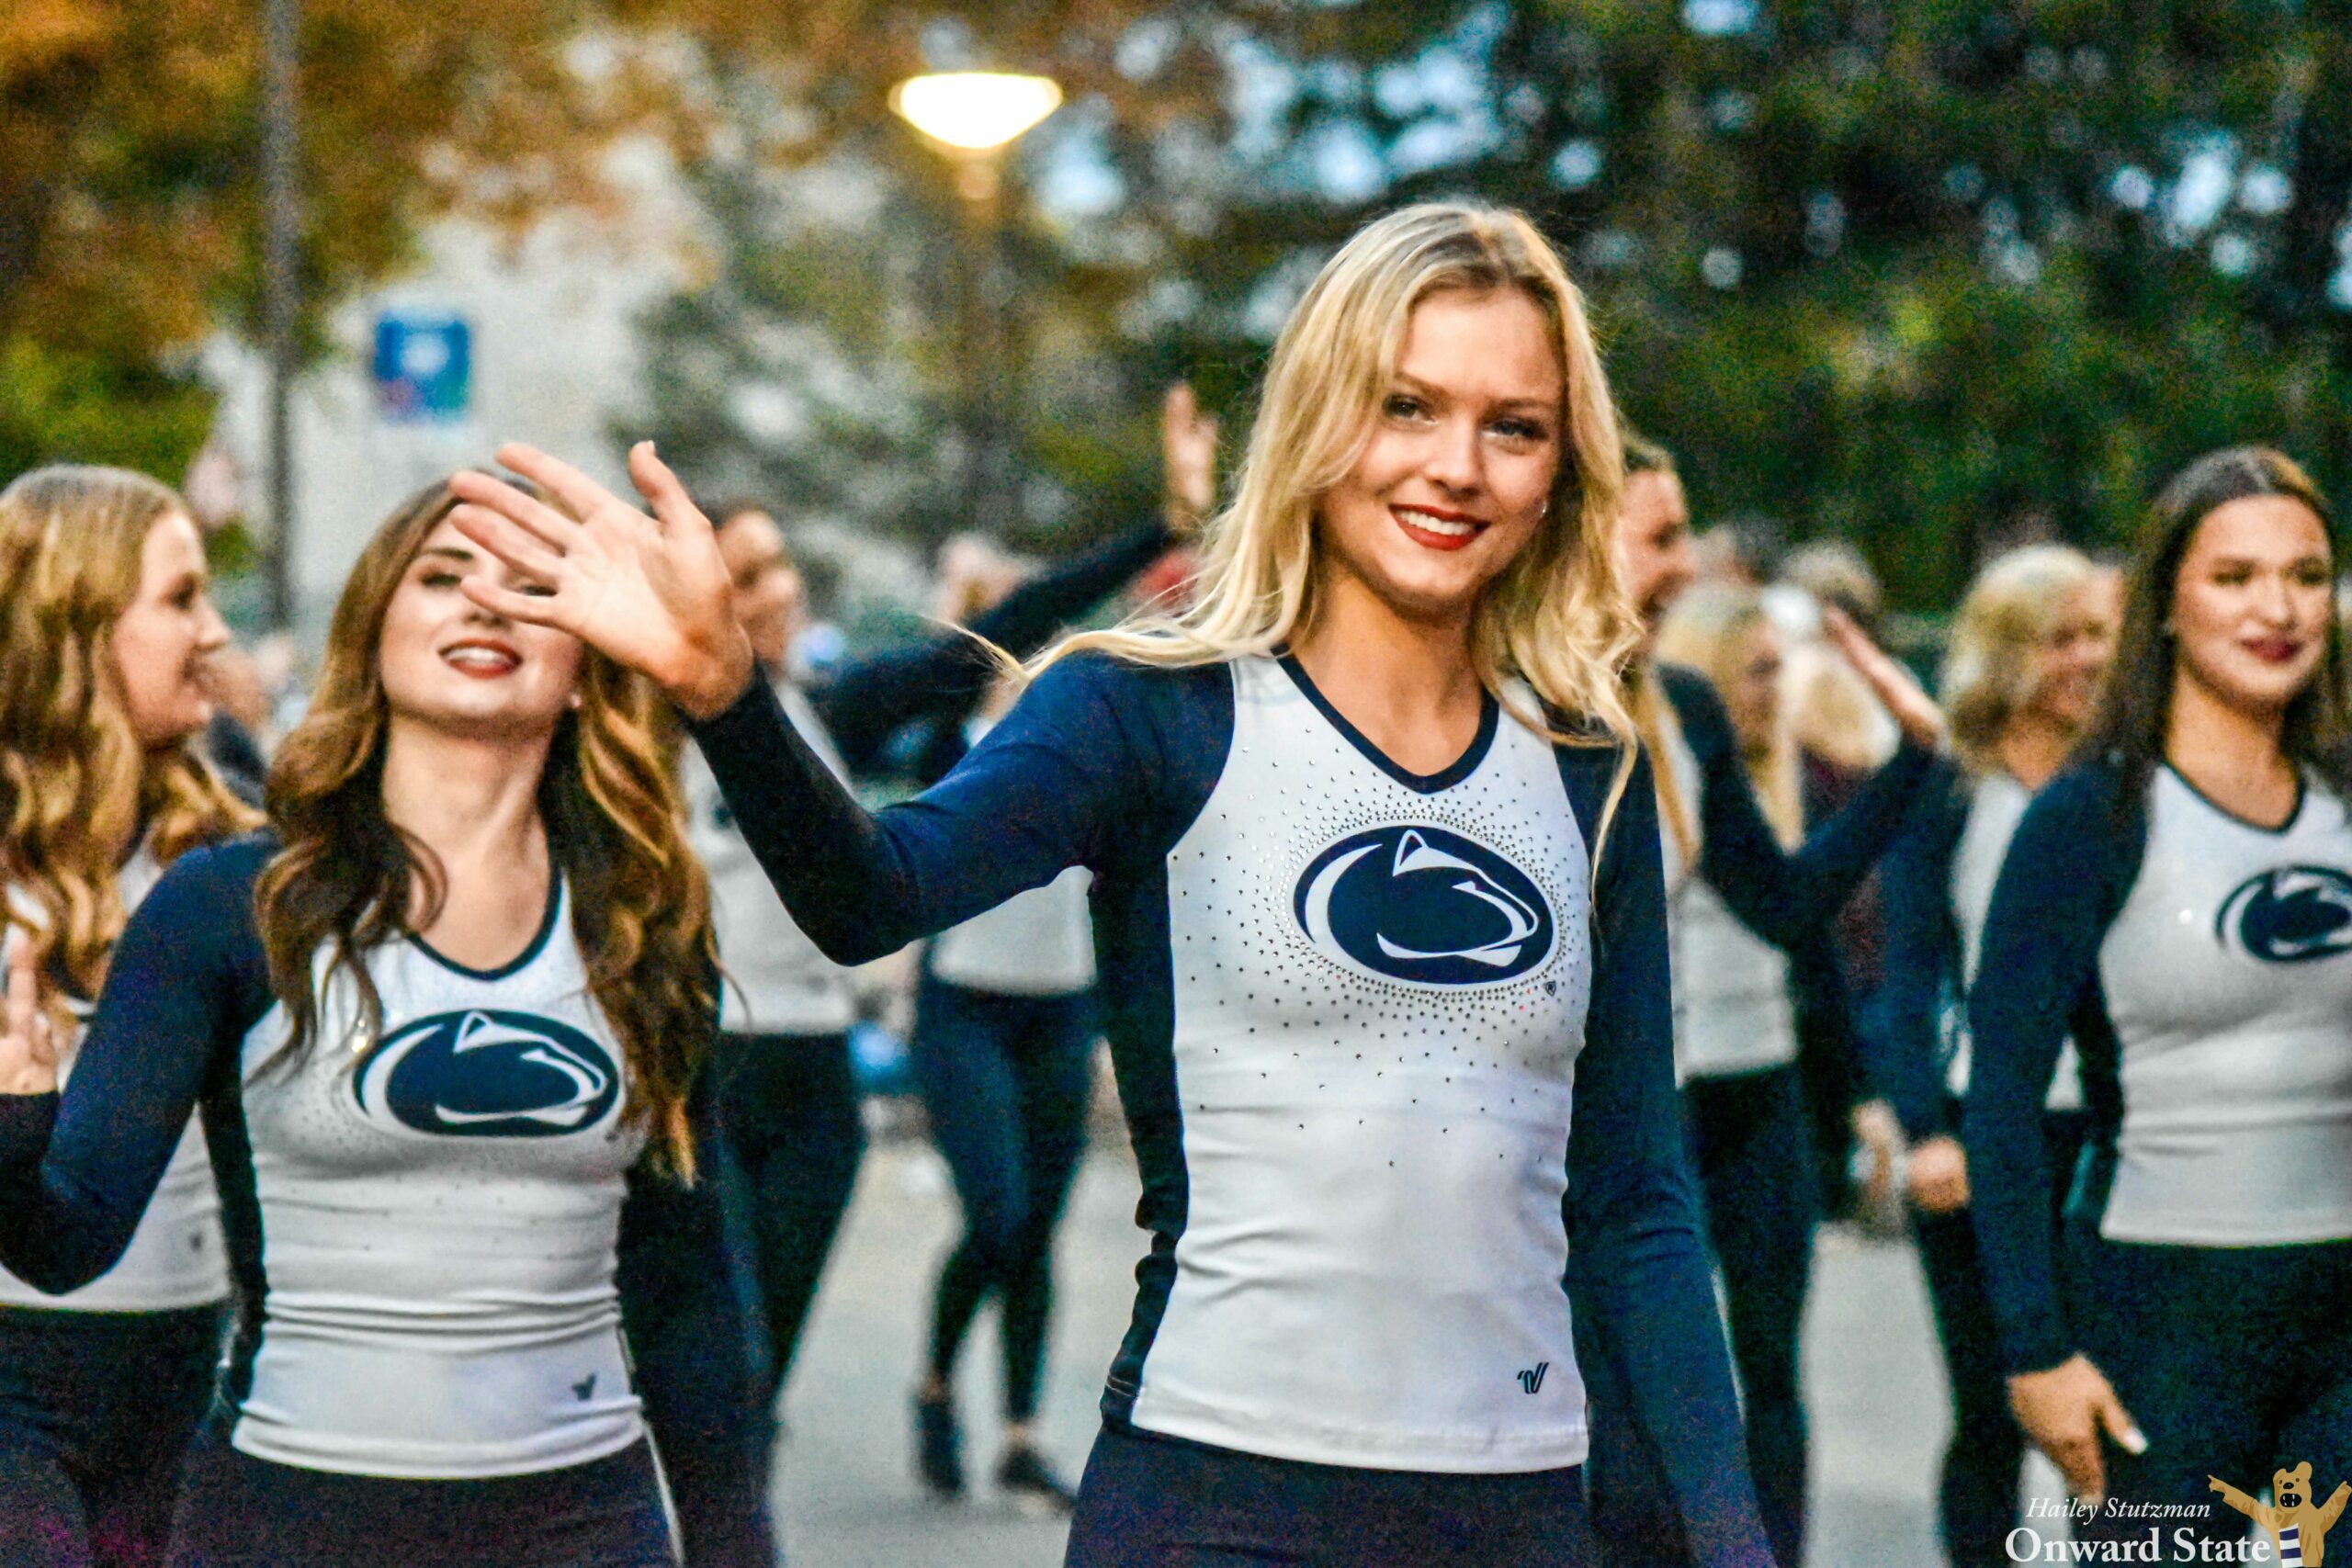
{"type": "Point", "coordinates": [1744, 910]}
{"type": "Point", "coordinates": [1376, 896]}
{"type": "Point", "coordinates": [784, 1084]}
{"type": "Point", "coordinates": [106, 631]}
{"type": "Point", "coordinates": [2179, 900]}
{"type": "Point", "coordinates": [442, 1023]}
{"type": "Point", "coordinates": [2030, 645]}
{"type": "Point", "coordinates": [1003, 1046]}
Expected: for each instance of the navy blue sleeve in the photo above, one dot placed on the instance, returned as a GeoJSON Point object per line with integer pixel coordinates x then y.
{"type": "Point", "coordinates": [1072, 776]}
{"type": "Point", "coordinates": [942, 676]}
{"type": "Point", "coordinates": [1780, 897]}
{"type": "Point", "coordinates": [1638, 1272]}
{"type": "Point", "coordinates": [1922, 959]}
{"type": "Point", "coordinates": [183, 984]}
{"type": "Point", "coordinates": [2066, 874]}
{"type": "Point", "coordinates": [1828, 1047]}
{"type": "Point", "coordinates": [685, 1308]}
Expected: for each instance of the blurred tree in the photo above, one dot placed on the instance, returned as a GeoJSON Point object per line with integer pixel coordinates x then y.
{"type": "Point", "coordinates": [1938, 275]}
{"type": "Point", "coordinates": [824, 362]}
{"type": "Point", "coordinates": [1933, 273]}
{"type": "Point", "coordinates": [129, 196]}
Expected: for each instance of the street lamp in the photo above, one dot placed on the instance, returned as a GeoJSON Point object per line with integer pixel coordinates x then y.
{"type": "Point", "coordinates": [973, 117]}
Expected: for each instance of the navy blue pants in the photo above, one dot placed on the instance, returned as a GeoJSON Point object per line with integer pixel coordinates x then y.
{"type": "Point", "coordinates": [242, 1512]}
{"type": "Point", "coordinates": [96, 1409]}
{"type": "Point", "coordinates": [1977, 1497]}
{"type": "Point", "coordinates": [1007, 1080]}
{"type": "Point", "coordinates": [1751, 1145]}
{"type": "Point", "coordinates": [1150, 1501]}
{"type": "Point", "coordinates": [789, 1105]}
{"type": "Point", "coordinates": [2234, 1361]}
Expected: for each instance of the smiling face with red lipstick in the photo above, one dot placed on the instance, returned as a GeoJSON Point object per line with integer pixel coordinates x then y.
{"type": "Point", "coordinates": [448, 664]}
{"type": "Point", "coordinates": [1458, 467]}
{"type": "Point", "coordinates": [2229, 667]}
{"type": "Point", "coordinates": [2254, 601]}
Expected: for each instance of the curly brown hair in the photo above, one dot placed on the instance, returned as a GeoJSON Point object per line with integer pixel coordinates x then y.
{"type": "Point", "coordinates": [75, 784]}
{"type": "Point", "coordinates": [347, 876]}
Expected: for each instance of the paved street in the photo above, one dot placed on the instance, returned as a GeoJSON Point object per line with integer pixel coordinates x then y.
{"type": "Point", "coordinates": [847, 1500]}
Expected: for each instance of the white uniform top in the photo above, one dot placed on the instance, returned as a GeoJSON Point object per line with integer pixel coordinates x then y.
{"type": "Point", "coordinates": [777, 982]}
{"type": "Point", "coordinates": [1732, 1009]}
{"type": "Point", "coordinates": [2228, 978]}
{"type": "Point", "coordinates": [176, 1259]}
{"type": "Point", "coordinates": [438, 1215]}
{"type": "Point", "coordinates": [1997, 805]}
{"type": "Point", "coordinates": [1038, 943]}
{"type": "Point", "coordinates": [1379, 995]}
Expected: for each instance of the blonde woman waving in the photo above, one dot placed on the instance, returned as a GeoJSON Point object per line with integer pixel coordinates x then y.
{"type": "Point", "coordinates": [1378, 900]}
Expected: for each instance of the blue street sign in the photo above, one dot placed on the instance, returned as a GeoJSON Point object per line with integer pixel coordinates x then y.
{"type": "Point", "coordinates": [423, 366]}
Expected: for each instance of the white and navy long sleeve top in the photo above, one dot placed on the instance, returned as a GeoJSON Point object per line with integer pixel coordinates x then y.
{"type": "Point", "coordinates": [1936, 888]}
{"type": "Point", "coordinates": [2203, 967]}
{"type": "Point", "coordinates": [1750, 904]}
{"type": "Point", "coordinates": [779, 982]}
{"type": "Point", "coordinates": [1037, 943]}
{"type": "Point", "coordinates": [174, 1258]}
{"type": "Point", "coordinates": [1351, 1009]}
{"type": "Point", "coordinates": [428, 1226]}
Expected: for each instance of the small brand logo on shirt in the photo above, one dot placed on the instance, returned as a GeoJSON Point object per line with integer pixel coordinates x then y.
{"type": "Point", "coordinates": [1532, 1380]}
{"type": "Point", "coordinates": [585, 1387]}
{"type": "Point", "coordinates": [1423, 905]}
{"type": "Point", "coordinates": [486, 1073]}
{"type": "Point", "coordinates": [2290, 914]}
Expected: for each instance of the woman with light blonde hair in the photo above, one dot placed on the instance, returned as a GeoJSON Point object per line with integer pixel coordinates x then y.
{"type": "Point", "coordinates": [2028, 651]}
{"type": "Point", "coordinates": [1376, 895]}
{"type": "Point", "coordinates": [1725, 632]}
{"type": "Point", "coordinates": [105, 629]}
{"type": "Point", "coordinates": [443, 1022]}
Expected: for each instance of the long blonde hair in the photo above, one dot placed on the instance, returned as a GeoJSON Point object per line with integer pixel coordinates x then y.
{"type": "Point", "coordinates": [1989, 670]}
{"type": "Point", "coordinates": [75, 784]}
{"type": "Point", "coordinates": [640, 905]}
{"type": "Point", "coordinates": [1556, 618]}
{"type": "Point", "coordinates": [1704, 631]}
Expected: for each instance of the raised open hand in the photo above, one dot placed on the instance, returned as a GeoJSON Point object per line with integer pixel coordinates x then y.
{"type": "Point", "coordinates": [1916, 711]}
{"type": "Point", "coordinates": [648, 590]}
{"type": "Point", "coordinates": [27, 1051]}
{"type": "Point", "coordinates": [1188, 457]}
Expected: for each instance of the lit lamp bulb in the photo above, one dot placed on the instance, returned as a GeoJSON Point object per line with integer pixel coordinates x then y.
{"type": "Point", "coordinates": [974, 111]}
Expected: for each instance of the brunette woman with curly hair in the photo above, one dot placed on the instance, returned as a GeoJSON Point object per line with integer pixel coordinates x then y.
{"type": "Point", "coordinates": [104, 628]}
{"type": "Point", "coordinates": [442, 1022]}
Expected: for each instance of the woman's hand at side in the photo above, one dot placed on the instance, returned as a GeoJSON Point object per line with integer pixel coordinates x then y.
{"type": "Point", "coordinates": [1937, 1178]}
{"type": "Point", "coordinates": [2065, 1411]}
{"type": "Point", "coordinates": [648, 590]}
{"type": "Point", "coordinates": [27, 1050]}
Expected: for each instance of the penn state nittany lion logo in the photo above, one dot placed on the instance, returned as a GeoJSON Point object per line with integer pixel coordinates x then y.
{"type": "Point", "coordinates": [487, 1074]}
{"type": "Point", "coordinates": [2289, 914]}
{"type": "Point", "coordinates": [1423, 905]}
